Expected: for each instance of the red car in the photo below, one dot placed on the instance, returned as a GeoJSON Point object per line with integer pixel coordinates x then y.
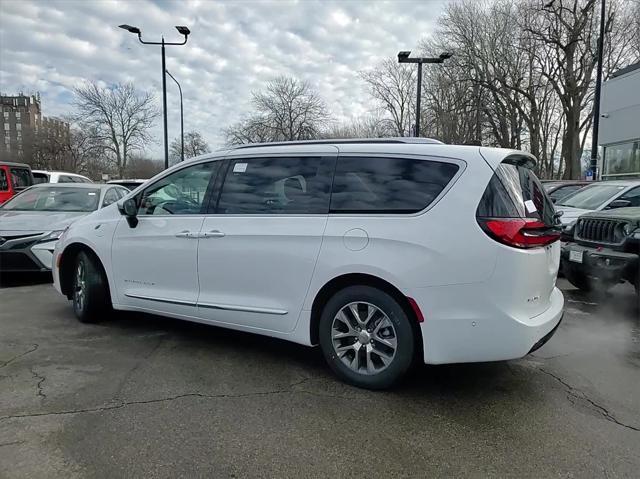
{"type": "Point", "coordinates": [14, 177]}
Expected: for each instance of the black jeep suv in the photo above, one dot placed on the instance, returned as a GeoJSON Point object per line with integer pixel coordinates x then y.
{"type": "Point", "coordinates": [604, 250]}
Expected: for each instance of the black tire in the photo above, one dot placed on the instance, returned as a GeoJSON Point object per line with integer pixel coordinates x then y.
{"type": "Point", "coordinates": [401, 331]}
{"type": "Point", "coordinates": [90, 295]}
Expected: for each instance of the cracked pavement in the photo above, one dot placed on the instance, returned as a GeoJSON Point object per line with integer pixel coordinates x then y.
{"type": "Point", "coordinates": [145, 396]}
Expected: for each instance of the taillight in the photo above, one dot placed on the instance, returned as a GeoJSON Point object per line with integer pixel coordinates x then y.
{"type": "Point", "coordinates": [519, 233]}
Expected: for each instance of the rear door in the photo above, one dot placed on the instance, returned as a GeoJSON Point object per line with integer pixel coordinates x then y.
{"type": "Point", "coordinates": [258, 249]}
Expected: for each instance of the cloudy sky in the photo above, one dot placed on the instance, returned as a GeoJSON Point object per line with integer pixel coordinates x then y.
{"type": "Point", "coordinates": [235, 47]}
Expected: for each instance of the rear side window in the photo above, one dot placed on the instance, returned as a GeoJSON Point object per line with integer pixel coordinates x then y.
{"type": "Point", "coordinates": [515, 192]}
{"type": "Point", "coordinates": [286, 185]}
{"type": "Point", "coordinates": [564, 191]}
{"type": "Point", "coordinates": [388, 185]}
{"type": "Point", "coordinates": [40, 178]}
{"type": "Point", "coordinates": [21, 178]}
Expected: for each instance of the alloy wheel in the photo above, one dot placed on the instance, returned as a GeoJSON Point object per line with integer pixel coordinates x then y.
{"type": "Point", "coordinates": [80, 287]}
{"type": "Point", "coordinates": [364, 338]}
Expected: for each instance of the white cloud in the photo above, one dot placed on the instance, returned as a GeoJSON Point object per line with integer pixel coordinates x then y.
{"type": "Point", "coordinates": [235, 47]}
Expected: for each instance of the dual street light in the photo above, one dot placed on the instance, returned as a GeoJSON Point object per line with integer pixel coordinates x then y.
{"type": "Point", "coordinates": [183, 31]}
{"type": "Point", "coordinates": [403, 57]}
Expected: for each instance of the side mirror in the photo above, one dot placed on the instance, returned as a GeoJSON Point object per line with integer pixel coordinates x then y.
{"type": "Point", "coordinates": [618, 204]}
{"type": "Point", "coordinates": [129, 208]}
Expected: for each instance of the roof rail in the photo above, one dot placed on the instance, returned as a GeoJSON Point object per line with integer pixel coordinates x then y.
{"type": "Point", "coordinates": [410, 140]}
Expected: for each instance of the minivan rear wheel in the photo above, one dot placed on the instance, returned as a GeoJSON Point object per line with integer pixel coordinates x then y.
{"type": "Point", "coordinates": [366, 337]}
{"type": "Point", "coordinates": [90, 296]}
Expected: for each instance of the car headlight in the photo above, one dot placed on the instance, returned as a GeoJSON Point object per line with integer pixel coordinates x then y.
{"type": "Point", "coordinates": [568, 228]}
{"type": "Point", "coordinates": [636, 234]}
{"type": "Point", "coordinates": [53, 236]}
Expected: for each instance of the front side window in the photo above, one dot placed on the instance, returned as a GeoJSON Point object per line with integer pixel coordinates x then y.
{"type": "Point", "coordinates": [287, 185]}
{"type": "Point", "coordinates": [388, 185]}
{"type": "Point", "coordinates": [110, 197]}
{"type": "Point", "coordinates": [180, 193]}
{"type": "Point", "coordinates": [65, 179]}
{"type": "Point", "coordinates": [632, 196]}
{"type": "Point", "coordinates": [55, 198]}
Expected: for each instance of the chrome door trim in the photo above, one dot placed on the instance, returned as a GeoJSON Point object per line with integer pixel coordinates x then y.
{"type": "Point", "coordinates": [161, 300]}
{"type": "Point", "coordinates": [248, 309]}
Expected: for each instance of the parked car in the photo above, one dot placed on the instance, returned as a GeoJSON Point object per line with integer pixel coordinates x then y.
{"type": "Point", "coordinates": [558, 189]}
{"type": "Point", "coordinates": [605, 250]}
{"type": "Point", "coordinates": [14, 177]}
{"type": "Point", "coordinates": [42, 176]}
{"type": "Point", "coordinates": [387, 250]}
{"type": "Point", "coordinates": [604, 195]}
{"type": "Point", "coordinates": [32, 221]}
{"type": "Point", "coordinates": [130, 184]}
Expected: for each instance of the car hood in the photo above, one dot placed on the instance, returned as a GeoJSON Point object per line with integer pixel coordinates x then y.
{"type": "Point", "coordinates": [629, 214]}
{"type": "Point", "coordinates": [570, 214]}
{"type": "Point", "coordinates": [37, 221]}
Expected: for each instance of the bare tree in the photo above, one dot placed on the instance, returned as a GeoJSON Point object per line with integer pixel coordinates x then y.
{"type": "Point", "coordinates": [287, 109]}
{"type": "Point", "coordinates": [393, 85]}
{"type": "Point", "coordinates": [142, 167]}
{"type": "Point", "coordinates": [120, 118]}
{"type": "Point", "coordinates": [372, 126]}
{"type": "Point", "coordinates": [248, 130]}
{"type": "Point", "coordinates": [194, 145]}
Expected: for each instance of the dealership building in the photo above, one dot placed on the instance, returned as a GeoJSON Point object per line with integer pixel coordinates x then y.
{"type": "Point", "coordinates": [620, 125]}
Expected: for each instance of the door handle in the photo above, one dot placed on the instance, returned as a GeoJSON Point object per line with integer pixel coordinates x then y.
{"type": "Point", "coordinates": [213, 234]}
{"type": "Point", "coordinates": [186, 234]}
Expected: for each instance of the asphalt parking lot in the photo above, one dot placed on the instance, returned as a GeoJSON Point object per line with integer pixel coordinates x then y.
{"type": "Point", "coordinates": [143, 396]}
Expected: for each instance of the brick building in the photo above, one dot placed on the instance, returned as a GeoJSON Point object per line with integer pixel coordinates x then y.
{"type": "Point", "coordinates": [27, 136]}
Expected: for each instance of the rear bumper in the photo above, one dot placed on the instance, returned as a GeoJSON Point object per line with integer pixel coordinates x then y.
{"type": "Point", "coordinates": [462, 336]}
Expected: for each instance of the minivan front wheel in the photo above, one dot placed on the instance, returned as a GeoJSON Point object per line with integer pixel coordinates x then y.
{"type": "Point", "coordinates": [366, 337]}
{"type": "Point", "coordinates": [90, 295]}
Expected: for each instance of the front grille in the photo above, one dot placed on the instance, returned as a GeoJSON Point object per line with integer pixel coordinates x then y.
{"type": "Point", "coordinates": [12, 261]}
{"type": "Point", "coordinates": [600, 231]}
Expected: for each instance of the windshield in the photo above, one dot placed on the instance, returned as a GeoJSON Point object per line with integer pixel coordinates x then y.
{"type": "Point", "coordinates": [592, 197]}
{"type": "Point", "coordinates": [55, 199]}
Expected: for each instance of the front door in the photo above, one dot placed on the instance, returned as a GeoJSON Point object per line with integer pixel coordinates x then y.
{"type": "Point", "coordinates": [155, 262]}
{"type": "Point", "coordinates": [258, 250]}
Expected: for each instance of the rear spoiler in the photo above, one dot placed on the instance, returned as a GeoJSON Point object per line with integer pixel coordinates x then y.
{"type": "Point", "coordinates": [495, 156]}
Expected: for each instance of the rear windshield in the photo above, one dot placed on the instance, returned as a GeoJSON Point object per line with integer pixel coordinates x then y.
{"type": "Point", "coordinates": [55, 199]}
{"type": "Point", "coordinates": [21, 178]}
{"type": "Point", "coordinates": [40, 178]}
{"type": "Point", "coordinates": [592, 197]}
{"type": "Point", "coordinates": [515, 192]}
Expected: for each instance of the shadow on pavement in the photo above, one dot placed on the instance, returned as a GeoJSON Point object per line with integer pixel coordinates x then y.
{"type": "Point", "coordinates": [11, 280]}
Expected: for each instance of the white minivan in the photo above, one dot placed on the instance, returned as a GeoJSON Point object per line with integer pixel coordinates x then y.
{"type": "Point", "coordinates": [380, 251]}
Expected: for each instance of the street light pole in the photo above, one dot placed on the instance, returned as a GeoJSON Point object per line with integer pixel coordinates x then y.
{"type": "Point", "coordinates": [164, 108]}
{"type": "Point", "coordinates": [183, 31]}
{"type": "Point", "coordinates": [181, 117]}
{"type": "Point", "coordinates": [403, 57]}
{"type": "Point", "coordinates": [593, 166]}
